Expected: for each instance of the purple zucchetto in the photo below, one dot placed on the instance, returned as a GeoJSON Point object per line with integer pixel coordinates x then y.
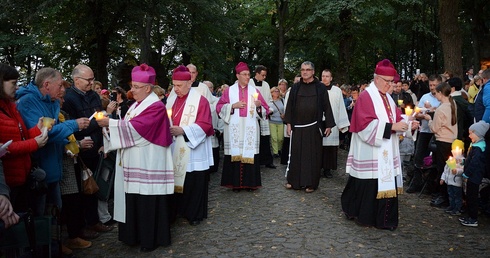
{"type": "Point", "coordinates": [240, 67]}
{"type": "Point", "coordinates": [144, 74]}
{"type": "Point", "coordinates": [181, 73]}
{"type": "Point", "coordinates": [385, 68]}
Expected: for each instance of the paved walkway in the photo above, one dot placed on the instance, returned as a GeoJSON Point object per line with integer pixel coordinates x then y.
{"type": "Point", "coordinates": [276, 222]}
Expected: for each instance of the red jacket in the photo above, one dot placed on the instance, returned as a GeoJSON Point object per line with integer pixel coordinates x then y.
{"type": "Point", "coordinates": [17, 162]}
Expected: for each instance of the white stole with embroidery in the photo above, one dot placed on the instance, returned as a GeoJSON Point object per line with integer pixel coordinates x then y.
{"type": "Point", "coordinates": [242, 140]}
{"type": "Point", "coordinates": [180, 151]}
{"type": "Point", "coordinates": [387, 172]}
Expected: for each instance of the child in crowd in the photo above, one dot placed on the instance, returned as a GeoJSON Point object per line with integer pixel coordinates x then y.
{"type": "Point", "coordinates": [473, 171]}
{"type": "Point", "coordinates": [454, 180]}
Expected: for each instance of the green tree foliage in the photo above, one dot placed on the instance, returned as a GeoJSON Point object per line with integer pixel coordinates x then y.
{"type": "Point", "coordinates": [348, 37]}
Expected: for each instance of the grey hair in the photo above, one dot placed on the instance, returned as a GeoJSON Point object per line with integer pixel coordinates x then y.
{"type": "Point", "coordinates": [309, 63]}
{"type": "Point", "coordinates": [282, 81]}
{"type": "Point", "coordinates": [486, 74]}
{"type": "Point", "coordinates": [45, 74]}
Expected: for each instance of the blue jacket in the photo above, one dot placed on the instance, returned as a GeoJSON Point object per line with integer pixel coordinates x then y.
{"type": "Point", "coordinates": [483, 103]}
{"type": "Point", "coordinates": [32, 105]}
{"type": "Point", "coordinates": [474, 165]}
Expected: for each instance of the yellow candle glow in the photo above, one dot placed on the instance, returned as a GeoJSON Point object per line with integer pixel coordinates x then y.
{"type": "Point", "coordinates": [99, 115]}
{"type": "Point", "coordinates": [48, 122]}
{"type": "Point", "coordinates": [256, 95]}
{"type": "Point", "coordinates": [408, 111]}
{"type": "Point", "coordinates": [169, 113]}
{"type": "Point", "coordinates": [457, 151]}
{"type": "Point", "coordinates": [417, 110]}
{"type": "Point", "coordinates": [400, 102]}
{"type": "Point", "coordinates": [451, 163]}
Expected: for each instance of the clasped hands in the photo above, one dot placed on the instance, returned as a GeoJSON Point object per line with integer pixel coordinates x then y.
{"type": "Point", "coordinates": [243, 104]}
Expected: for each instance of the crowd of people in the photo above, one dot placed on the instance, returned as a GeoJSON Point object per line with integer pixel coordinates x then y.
{"type": "Point", "coordinates": [166, 144]}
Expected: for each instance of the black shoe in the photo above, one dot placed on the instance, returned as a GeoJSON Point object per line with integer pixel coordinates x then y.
{"type": "Point", "coordinates": [270, 166]}
{"type": "Point", "coordinates": [194, 222]}
{"type": "Point", "coordinates": [327, 173]}
{"type": "Point", "coordinates": [414, 188]}
{"type": "Point", "coordinates": [110, 223]}
{"type": "Point", "coordinates": [147, 249]}
{"type": "Point", "coordinates": [440, 202]}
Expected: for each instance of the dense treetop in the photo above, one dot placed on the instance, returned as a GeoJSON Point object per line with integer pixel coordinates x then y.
{"type": "Point", "coordinates": [346, 36]}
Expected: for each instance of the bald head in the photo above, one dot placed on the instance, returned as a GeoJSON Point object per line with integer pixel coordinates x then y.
{"type": "Point", "coordinates": [83, 77]}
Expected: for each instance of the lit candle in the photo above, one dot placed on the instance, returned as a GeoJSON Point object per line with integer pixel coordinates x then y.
{"type": "Point", "coordinates": [417, 110]}
{"type": "Point", "coordinates": [99, 115]}
{"type": "Point", "coordinates": [451, 163]}
{"type": "Point", "coordinates": [48, 122]}
{"type": "Point", "coordinates": [169, 114]}
{"type": "Point", "coordinates": [457, 152]}
{"type": "Point", "coordinates": [408, 111]}
{"type": "Point", "coordinates": [256, 95]}
{"type": "Point", "coordinates": [400, 102]}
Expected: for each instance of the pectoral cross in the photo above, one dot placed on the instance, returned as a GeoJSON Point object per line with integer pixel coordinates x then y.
{"type": "Point", "coordinates": [187, 116]}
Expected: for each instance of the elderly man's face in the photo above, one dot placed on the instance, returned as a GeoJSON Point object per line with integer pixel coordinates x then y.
{"type": "Point", "coordinates": [307, 73]}
{"type": "Point", "coordinates": [181, 88]}
{"type": "Point", "coordinates": [384, 83]}
{"type": "Point", "coordinates": [54, 87]}
{"type": "Point", "coordinates": [193, 72]}
{"type": "Point", "coordinates": [140, 90]}
{"type": "Point", "coordinates": [243, 77]}
{"type": "Point", "coordinates": [84, 80]}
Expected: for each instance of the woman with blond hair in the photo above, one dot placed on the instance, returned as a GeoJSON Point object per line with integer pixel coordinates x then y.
{"type": "Point", "coordinates": [275, 121]}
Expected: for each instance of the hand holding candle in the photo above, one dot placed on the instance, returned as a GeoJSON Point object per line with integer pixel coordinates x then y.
{"type": "Point", "coordinates": [256, 95]}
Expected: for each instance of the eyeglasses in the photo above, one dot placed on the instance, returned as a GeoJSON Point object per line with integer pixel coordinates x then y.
{"type": "Point", "coordinates": [387, 81]}
{"type": "Point", "coordinates": [89, 80]}
{"type": "Point", "coordinates": [306, 70]}
{"type": "Point", "coordinates": [139, 87]}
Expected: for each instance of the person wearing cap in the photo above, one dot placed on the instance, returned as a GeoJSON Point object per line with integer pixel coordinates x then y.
{"type": "Point", "coordinates": [241, 106]}
{"type": "Point", "coordinates": [373, 163]}
{"type": "Point", "coordinates": [144, 168]}
{"type": "Point", "coordinates": [258, 81]}
{"type": "Point", "coordinates": [474, 171]}
{"type": "Point", "coordinates": [308, 118]}
{"type": "Point", "coordinates": [192, 148]}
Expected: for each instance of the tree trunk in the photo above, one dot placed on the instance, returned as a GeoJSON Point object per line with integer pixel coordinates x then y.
{"type": "Point", "coordinates": [145, 42]}
{"type": "Point", "coordinates": [450, 34]}
{"type": "Point", "coordinates": [345, 45]}
{"type": "Point", "coordinates": [282, 11]}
